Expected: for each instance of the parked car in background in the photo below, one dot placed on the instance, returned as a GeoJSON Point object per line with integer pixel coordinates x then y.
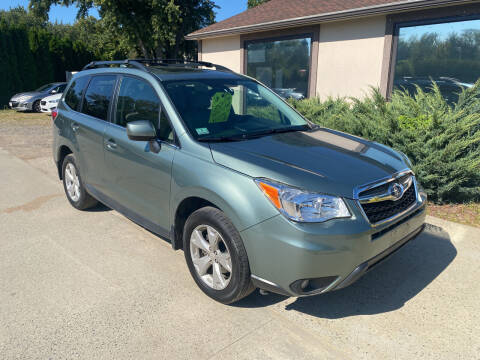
{"type": "Point", "coordinates": [256, 195]}
{"type": "Point", "coordinates": [287, 93]}
{"type": "Point", "coordinates": [47, 104]}
{"type": "Point", "coordinates": [449, 87]}
{"type": "Point", "coordinates": [30, 101]}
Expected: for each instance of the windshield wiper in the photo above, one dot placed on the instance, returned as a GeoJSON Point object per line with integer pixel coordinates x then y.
{"type": "Point", "coordinates": [247, 136]}
{"type": "Point", "coordinates": [221, 138]}
{"type": "Point", "coordinates": [278, 131]}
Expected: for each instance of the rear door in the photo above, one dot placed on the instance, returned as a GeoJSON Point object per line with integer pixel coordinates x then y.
{"type": "Point", "coordinates": [138, 178]}
{"type": "Point", "coordinates": [89, 125]}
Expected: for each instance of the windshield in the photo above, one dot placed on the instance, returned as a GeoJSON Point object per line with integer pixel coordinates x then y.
{"type": "Point", "coordinates": [222, 109]}
{"type": "Point", "coordinates": [44, 87]}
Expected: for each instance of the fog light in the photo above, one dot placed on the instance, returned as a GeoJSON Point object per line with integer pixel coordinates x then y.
{"type": "Point", "coordinates": [304, 284]}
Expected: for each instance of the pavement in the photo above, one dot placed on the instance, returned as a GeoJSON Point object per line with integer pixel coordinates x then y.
{"type": "Point", "coordinates": [93, 285]}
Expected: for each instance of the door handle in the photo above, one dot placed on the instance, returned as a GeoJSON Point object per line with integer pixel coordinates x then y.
{"type": "Point", "coordinates": [111, 144]}
{"type": "Point", "coordinates": [75, 127]}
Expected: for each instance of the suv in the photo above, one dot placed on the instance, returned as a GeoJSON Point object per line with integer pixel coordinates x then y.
{"type": "Point", "coordinates": [256, 195]}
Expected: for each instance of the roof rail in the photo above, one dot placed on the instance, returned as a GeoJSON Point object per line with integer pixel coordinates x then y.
{"type": "Point", "coordinates": [125, 63]}
{"type": "Point", "coordinates": [180, 62]}
{"type": "Point", "coordinates": [139, 64]}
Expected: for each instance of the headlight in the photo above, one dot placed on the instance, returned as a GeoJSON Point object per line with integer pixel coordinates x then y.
{"type": "Point", "coordinates": [53, 101]}
{"type": "Point", "coordinates": [303, 206]}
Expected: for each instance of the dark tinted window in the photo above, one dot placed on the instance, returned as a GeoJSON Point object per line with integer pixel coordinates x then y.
{"type": "Point", "coordinates": [137, 100]}
{"type": "Point", "coordinates": [74, 93]}
{"type": "Point", "coordinates": [98, 96]}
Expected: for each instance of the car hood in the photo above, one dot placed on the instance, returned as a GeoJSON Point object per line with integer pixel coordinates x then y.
{"type": "Point", "coordinates": [320, 160]}
{"type": "Point", "coordinates": [52, 97]}
{"type": "Point", "coordinates": [29, 94]}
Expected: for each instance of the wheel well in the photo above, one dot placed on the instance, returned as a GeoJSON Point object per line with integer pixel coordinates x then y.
{"type": "Point", "coordinates": [64, 151]}
{"type": "Point", "coordinates": [184, 210]}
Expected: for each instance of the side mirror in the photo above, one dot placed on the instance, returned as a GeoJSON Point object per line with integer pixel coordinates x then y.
{"type": "Point", "coordinates": [141, 130]}
{"type": "Point", "coordinates": [53, 91]}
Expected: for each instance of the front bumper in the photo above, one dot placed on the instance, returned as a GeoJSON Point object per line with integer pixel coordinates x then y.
{"type": "Point", "coordinates": [20, 106]}
{"type": "Point", "coordinates": [331, 255]}
{"type": "Point", "coordinates": [47, 108]}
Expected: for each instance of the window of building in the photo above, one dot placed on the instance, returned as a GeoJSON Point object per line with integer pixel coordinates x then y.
{"type": "Point", "coordinates": [98, 96]}
{"type": "Point", "coordinates": [447, 53]}
{"type": "Point", "coordinates": [283, 65]}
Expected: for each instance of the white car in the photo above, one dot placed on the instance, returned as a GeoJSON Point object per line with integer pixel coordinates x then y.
{"type": "Point", "coordinates": [49, 103]}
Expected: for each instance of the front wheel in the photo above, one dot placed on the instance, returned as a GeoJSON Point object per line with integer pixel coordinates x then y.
{"type": "Point", "coordinates": [36, 106]}
{"type": "Point", "coordinates": [216, 256]}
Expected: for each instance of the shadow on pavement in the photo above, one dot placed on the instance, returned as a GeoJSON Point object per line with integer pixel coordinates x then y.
{"type": "Point", "coordinates": [99, 208]}
{"type": "Point", "coordinates": [386, 288]}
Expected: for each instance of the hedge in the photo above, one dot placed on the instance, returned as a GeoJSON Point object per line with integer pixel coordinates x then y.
{"type": "Point", "coordinates": [441, 139]}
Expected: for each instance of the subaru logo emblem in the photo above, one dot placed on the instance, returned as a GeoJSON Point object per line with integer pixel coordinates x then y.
{"type": "Point", "coordinates": [396, 191]}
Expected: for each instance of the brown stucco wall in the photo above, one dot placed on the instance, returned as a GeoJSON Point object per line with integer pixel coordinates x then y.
{"type": "Point", "coordinates": [223, 51]}
{"type": "Point", "coordinates": [350, 57]}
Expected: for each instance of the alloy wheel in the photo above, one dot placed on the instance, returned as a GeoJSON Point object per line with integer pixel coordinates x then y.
{"type": "Point", "coordinates": [72, 182]}
{"type": "Point", "coordinates": [211, 257]}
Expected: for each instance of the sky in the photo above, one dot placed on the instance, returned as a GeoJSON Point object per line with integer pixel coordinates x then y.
{"type": "Point", "coordinates": [67, 15]}
{"type": "Point", "coordinates": [443, 30]}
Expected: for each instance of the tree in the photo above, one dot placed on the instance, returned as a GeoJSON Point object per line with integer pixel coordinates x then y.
{"type": "Point", "coordinates": [155, 28]}
{"type": "Point", "coordinates": [253, 3]}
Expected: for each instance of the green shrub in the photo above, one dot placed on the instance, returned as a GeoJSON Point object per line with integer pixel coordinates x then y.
{"type": "Point", "coordinates": [441, 139]}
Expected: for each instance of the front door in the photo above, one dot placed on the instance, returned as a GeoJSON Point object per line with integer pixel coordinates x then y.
{"type": "Point", "coordinates": [138, 178]}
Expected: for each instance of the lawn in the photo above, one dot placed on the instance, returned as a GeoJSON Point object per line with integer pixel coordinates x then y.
{"type": "Point", "coordinates": [28, 136]}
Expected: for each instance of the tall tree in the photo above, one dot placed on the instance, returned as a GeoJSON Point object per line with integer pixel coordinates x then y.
{"type": "Point", "coordinates": [253, 3]}
{"type": "Point", "coordinates": [156, 28]}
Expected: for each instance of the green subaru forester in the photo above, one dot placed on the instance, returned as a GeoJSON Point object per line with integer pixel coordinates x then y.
{"type": "Point", "coordinates": [255, 195]}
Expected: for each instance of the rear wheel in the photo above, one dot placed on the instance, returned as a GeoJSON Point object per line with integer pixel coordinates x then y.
{"type": "Point", "coordinates": [73, 185]}
{"type": "Point", "coordinates": [36, 106]}
{"type": "Point", "coordinates": [216, 256]}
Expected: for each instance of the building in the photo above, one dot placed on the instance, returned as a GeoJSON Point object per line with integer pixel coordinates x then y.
{"type": "Point", "coordinates": [343, 47]}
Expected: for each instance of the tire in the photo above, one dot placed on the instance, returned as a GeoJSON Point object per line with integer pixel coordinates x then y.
{"type": "Point", "coordinates": [236, 283]}
{"type": "Point", "coordinates": [75, 191]}
{"type": "Point", "coordinates": [36, 106]}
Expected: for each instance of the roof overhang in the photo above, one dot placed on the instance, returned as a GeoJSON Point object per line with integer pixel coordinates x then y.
{"type": "Point", "coordinates": [393, 7]}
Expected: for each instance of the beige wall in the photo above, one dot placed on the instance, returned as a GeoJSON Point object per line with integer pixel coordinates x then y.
{"type": "Point", "coordinates": [350, 56]}
{"type": "Point", "coordinates": [222, 51]}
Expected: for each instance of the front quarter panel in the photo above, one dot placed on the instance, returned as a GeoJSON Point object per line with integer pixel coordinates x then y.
{"type": "Point", "coordinates": [236, 194]}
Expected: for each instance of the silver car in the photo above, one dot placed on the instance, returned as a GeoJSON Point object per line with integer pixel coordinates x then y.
{"type": "Point", "coordinates": [30, 101]}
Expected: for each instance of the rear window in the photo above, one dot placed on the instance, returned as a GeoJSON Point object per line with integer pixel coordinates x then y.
{"type": "Point", "coordinates": [74, 93]}
{"type": "Point", "coordinates": [98, 96]}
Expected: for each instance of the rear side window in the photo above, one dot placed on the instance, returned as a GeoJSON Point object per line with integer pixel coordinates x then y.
{"type": "Point", "coordinates": [74, 93]}
{"type": "Point", "coordinates": [98, 96]}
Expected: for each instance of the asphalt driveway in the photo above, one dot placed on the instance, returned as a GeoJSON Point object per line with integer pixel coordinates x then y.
{"type": "Point", "coordinates": [94, 285]}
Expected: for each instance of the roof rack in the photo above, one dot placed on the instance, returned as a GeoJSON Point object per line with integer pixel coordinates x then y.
{"type": "Point", "coordinates": [139, 64]}
{"type": "Point", "coordinates": [121, 63]}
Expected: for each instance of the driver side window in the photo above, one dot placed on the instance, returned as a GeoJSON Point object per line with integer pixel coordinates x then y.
{"type": "Point", "coordinates": [137, 100]}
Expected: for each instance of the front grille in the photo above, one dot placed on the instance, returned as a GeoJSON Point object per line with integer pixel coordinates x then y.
{"type": "Point", "coordinates": [381, 189]}
{"type": "Point", "coordinates": [14, 103]}
{"type": "Point", "coordinates": [382, 210]}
